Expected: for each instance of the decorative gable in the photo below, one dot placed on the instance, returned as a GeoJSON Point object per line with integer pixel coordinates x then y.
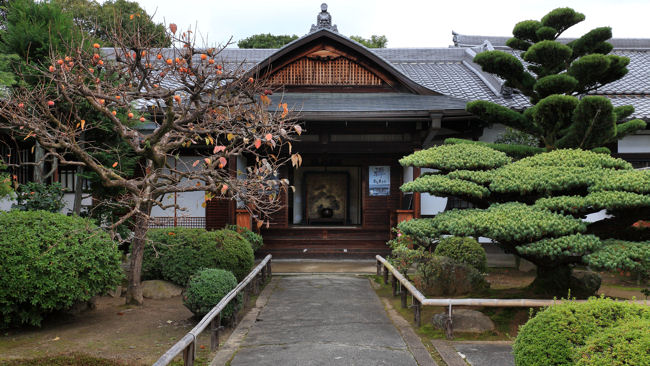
{"type": "Point", "coordinates": [325, 68]}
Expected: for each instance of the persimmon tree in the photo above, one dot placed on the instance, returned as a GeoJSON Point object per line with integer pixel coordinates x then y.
{"type": "Point", "coordinates": [162, 103]}
{"type": "Point", "coordinates": [534, 208]}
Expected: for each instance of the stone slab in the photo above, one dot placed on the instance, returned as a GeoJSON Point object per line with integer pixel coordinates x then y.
{"type": "Point", "coordinates": [486, 353]}
{"type": "Point", "coordinates": [323, 320]}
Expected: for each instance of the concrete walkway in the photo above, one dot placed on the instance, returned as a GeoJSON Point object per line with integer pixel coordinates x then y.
{"type": "Point", "coordinates": [322, 320]}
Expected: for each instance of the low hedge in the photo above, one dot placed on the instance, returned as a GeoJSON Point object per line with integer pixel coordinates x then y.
{"type": "Point", "coordinates": [50, 262]}
{"type": "Point", "coordinates": [254, 239]}
{"type": "Point", "coordinates": [463, 250]}
{"type": "Point", "coordinates": [555, 335]}
{"type": "Point", "coordinates": [625, 344]}
{"type": "Point", "coordinates": [174, 254]}
{"type": "Point", "coordinates": [206, 288]}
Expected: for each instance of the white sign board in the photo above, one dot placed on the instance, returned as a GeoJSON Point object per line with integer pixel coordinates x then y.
{"type": "Point", "coordinates": [379, 180]}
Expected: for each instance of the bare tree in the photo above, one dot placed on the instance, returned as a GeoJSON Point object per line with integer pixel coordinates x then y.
{"type": "Point", "coordinates": [161, 103]}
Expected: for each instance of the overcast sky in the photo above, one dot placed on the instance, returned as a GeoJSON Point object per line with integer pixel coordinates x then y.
{"type": "Point", "coordinates": [406, 23]}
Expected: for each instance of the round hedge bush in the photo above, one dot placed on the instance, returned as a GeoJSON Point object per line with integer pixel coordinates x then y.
{"type": "Point", "coordinates": [554, 335]}
{"type": "Point", "coordinates": [206, 288]}
{"type": "Point", "coordinates": [628, 343]}
{"type": "Point", "coordinates": [174, 254]}
{"type": "Point", "coordinates": [463, 250]}
{"type": "Point", "coordinates": [254, 239]}
{"type": "Point", "coordinates": [235, 253]}
{"type": "Point", "coordinates": [50, 262]}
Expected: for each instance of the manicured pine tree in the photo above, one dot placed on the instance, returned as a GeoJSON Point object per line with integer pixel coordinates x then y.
{"type": "Point", "coordinates": [557, 80]}
{"type": "Point", "coordinates": [533, 208]}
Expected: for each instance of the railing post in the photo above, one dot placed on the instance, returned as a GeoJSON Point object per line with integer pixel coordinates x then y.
{"type": "Point", "coordinates": [188, 355]}
{"type": "Point", "coordinates": [215, 328]}
{"type": "Point", "coordinates": [385, 275]}
{"type": "Point", "coordinates": [378, 268]}
{"type": "Point", "coordinates": [403, 296]}
{"type": "Point", "coordinates": [393, 282]}
{"type": "Point", "coordinates": [269, 272]}
{"type": "Point", "coordinates": [416, 315]}
{"type": "Point", "coordinates": [264, 274]}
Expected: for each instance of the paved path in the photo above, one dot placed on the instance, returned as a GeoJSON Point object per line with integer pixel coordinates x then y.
{"type": "Point", "coordinates": [323, 320]}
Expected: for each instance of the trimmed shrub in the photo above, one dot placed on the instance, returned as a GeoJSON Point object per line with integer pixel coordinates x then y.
{"type": "Point", "coordinates": [50, 262]}
{"type": "Point", "coordinates": [463, 250]}
{"type": "Point", "coordinates": [554, 335]}
{"type": "Point", "coordinates": [254, 239]}
{"type": "Point", "coordinates": [438, 276]}
{"type": "Point", "coordinates": [235, 254]}
{"type": "Point", "coordinates": [39, 196]}
{"type": "Point", "coordinates": [177, 253]}
{"type": "Point", "coordinates": [206, 288]}
{"type": "Point", "coordinates": [628, 343]}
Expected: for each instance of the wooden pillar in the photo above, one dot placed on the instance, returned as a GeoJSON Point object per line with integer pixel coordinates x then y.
{"type": "Point", "coordinates": [416, 195]}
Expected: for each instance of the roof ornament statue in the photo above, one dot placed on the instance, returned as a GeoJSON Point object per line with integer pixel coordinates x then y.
{"type": "Point", "coordinates": [323, 20]}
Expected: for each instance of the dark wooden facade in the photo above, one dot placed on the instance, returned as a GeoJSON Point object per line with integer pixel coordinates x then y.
{"type": "Point", "coordinates": [325, 62]}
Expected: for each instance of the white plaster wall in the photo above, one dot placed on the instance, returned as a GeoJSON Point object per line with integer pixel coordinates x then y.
{"type": "Point", "coordinates": [5, 203]}
{"type": "Point", "coordinates": [408, 174]}
{"type": "Point", "coordinates": [68, 200]}
{"type": "Point", "coordinates": [491, 133]}
{"type": "Point", "coordinates": [634, 144]}
{"type": "Point", "coordinates": [189, 202]}
{"type": "Point", "coordinates": [429, 204]}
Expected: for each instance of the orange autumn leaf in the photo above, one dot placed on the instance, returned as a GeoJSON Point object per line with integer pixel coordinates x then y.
{"type": "Point", "coordinates": [207, 161]}
{"type": "Point", "coordinates": [83, 124]}
{"type": "Point", "coordinates": [172, 27]}
{"type": "Point", "coordinates": [196, 163]}
{"type": "Point", "coordinates": [222, 162]}
{"type": "Point", "coordinates": [268, 137]}
{"type": "Point", "coordinates": [218, 148]}
{"type": "Point", "coordinates": [258, 143]}
{"type": "Point", "coordinates": [224, 189]}
{"type": "Point", "coordinates": [114, 164]}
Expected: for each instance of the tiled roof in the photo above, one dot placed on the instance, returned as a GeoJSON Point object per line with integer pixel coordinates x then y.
{"type": "Point", "coordinates": [366, 102]}
{"type": "Point", "coordinates": [450, 71]}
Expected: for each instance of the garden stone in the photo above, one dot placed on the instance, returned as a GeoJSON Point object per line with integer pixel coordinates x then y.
{"type": "Point", "coordinates": [465, 320]}
{"type": "Point", "coordinates": [117, 292]}
{"type": "Point", "coordinates": [453, 279]}
{"type": "Point", "coordinates": [82, 306]}
{"type": "Point", "coordinates": [158, 289]}
{"type": "Point", "coordinates": [584, 283]}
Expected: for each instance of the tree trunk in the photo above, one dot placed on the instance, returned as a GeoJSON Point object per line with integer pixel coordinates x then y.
{"type": "Point", "coordinates": [561, 282]}
{"type": "Point", "coordinates": [78, 192]}
{"type": "Point", "coordinates": [134, 289]}
{"type": "Point", "coordinates": [552, 281]}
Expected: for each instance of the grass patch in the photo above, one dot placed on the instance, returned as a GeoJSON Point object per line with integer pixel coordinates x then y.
{"type": "Point", "coordinates": [506, 320]}
{"type": "Point", "coordinates": [75, 359]}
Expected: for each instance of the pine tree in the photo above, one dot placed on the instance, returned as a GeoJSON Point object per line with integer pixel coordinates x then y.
{"type": "Point", "coordinates": [533, 208]}
{"type": "Point", "coordinates": [557, 80]}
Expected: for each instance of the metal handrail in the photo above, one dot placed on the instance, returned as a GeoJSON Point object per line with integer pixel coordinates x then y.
{"type": "Point", "coordinates": [187, 344]}
{"type": "Point", "coordinates": [420, 300]}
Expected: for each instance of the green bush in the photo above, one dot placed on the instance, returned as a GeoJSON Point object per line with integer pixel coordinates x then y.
{"type": "Point", "coordinates": [235, 254]}
{"type": "Point", "coordinates": [554, 335]}
{"type": "Point", "coordinates": [463, 250]}
{"type": "Point", "coordinates": [51, 261]}
{"type": "Point", "coordinates": [438, 276]}
{"type": "Point", "coordinates": [38, 196]}
{"type": "Point", "coordinates": [206, 288]}
{"type": "Point", "coordinates": [174, 254]}
{"type": "Point", "coordinates": [254, 239]}
{"type": "Point", "coordinates": [628, 343]}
